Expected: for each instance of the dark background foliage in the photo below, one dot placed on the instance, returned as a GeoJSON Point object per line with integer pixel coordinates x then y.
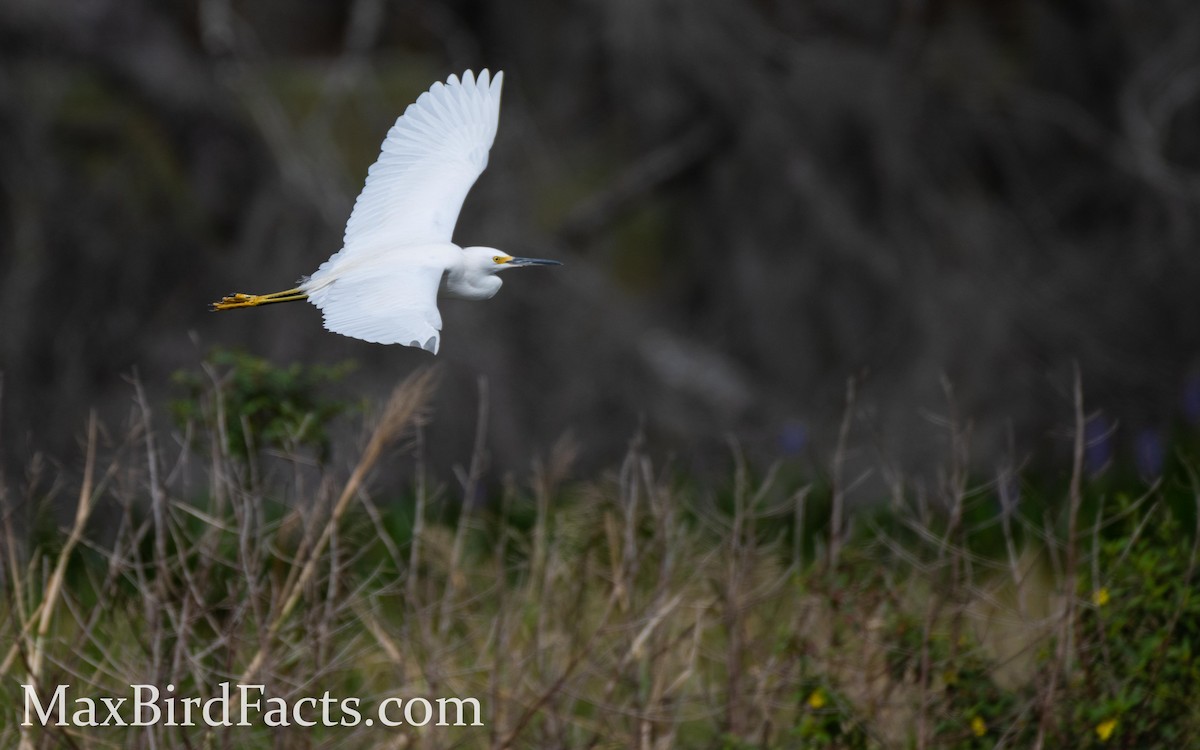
{"type": "Point", "coordinates": [755, 202]}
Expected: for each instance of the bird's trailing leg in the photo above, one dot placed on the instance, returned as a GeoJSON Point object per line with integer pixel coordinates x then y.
{"type": "Point", "coordinates": [235, 301]}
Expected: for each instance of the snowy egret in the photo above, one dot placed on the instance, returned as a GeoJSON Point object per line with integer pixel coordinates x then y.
{"type": "Point", "coordinates": [396, 255]}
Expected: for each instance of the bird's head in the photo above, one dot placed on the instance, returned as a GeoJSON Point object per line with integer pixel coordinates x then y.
{"type": "Point", "coordinates": [490, 260]}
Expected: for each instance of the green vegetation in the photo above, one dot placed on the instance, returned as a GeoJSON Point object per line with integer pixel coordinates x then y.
{"type": "Point", "coordinates": [632, 610]}
{"type": "Point", "coordinates": [1141, 633]}
{"type": "Point", "coordinates": [253, 403]}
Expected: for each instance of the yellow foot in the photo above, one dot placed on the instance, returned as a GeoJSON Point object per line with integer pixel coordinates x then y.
{"type": "Point", "coordinates": [235, 301]}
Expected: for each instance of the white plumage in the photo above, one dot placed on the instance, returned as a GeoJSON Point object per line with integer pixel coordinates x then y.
{"type": "Point", "coordinates": [428, 162]}
{"type": "Point", "coordinates": [397, 253]}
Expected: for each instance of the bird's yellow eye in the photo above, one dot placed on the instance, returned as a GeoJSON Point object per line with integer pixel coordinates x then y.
{"type": "Point", "coordinates": [498, 259]}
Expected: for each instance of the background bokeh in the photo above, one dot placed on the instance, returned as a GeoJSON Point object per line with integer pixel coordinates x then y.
{"type": "Point", "coordinates": [948, 203]}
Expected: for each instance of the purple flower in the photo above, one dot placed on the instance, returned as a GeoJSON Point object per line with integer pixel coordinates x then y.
{"type": "Point", "coordinates": [793, 438]}
{"type": "Point", "coordinates": [1150, 453]}
{"type": "Point", "coordinates": [1098, 433]}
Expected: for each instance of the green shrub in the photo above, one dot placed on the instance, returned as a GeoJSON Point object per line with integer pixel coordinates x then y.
{"type": "Point", "coordinates": [1138, 636]}
{"type": "Point", "coordinates": [284, 408]}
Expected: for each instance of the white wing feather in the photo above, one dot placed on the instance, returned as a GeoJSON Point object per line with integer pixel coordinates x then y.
{"type": "Point", "coordinates": [429, 161]}
{"type": "Point", "coordinates": [380, 287]}
{"type": "Point", "coordinates": [369, 303]}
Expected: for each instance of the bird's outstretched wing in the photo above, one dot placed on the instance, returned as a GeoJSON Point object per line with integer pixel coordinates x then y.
{"type": "Point", "coordinates": [382, 285]}
{"type": "Point", "coordinates": [393, 302]}
{"type": "Point", "coordinates": [429, 161]}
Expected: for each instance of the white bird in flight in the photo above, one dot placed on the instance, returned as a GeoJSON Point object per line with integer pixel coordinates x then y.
{"type": "Point", "coordinates": [382, 286]}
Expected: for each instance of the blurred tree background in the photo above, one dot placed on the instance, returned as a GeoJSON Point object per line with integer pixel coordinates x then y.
{"type": "Point", "coordinates": [755, 202]}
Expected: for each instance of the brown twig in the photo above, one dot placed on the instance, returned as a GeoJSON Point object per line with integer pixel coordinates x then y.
{"type": "Point", "coordinates": [402, 410]}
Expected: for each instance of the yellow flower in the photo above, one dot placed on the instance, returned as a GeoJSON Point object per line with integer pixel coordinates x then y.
{"type": "Point", "coordinates": [1105, 729]}
{"type": "Point", "coordinates": [1100, 596]}
{"type": "Point", "coordinates": [817, 699]}
{"type": "Point", "coordinates": [978, 727]}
